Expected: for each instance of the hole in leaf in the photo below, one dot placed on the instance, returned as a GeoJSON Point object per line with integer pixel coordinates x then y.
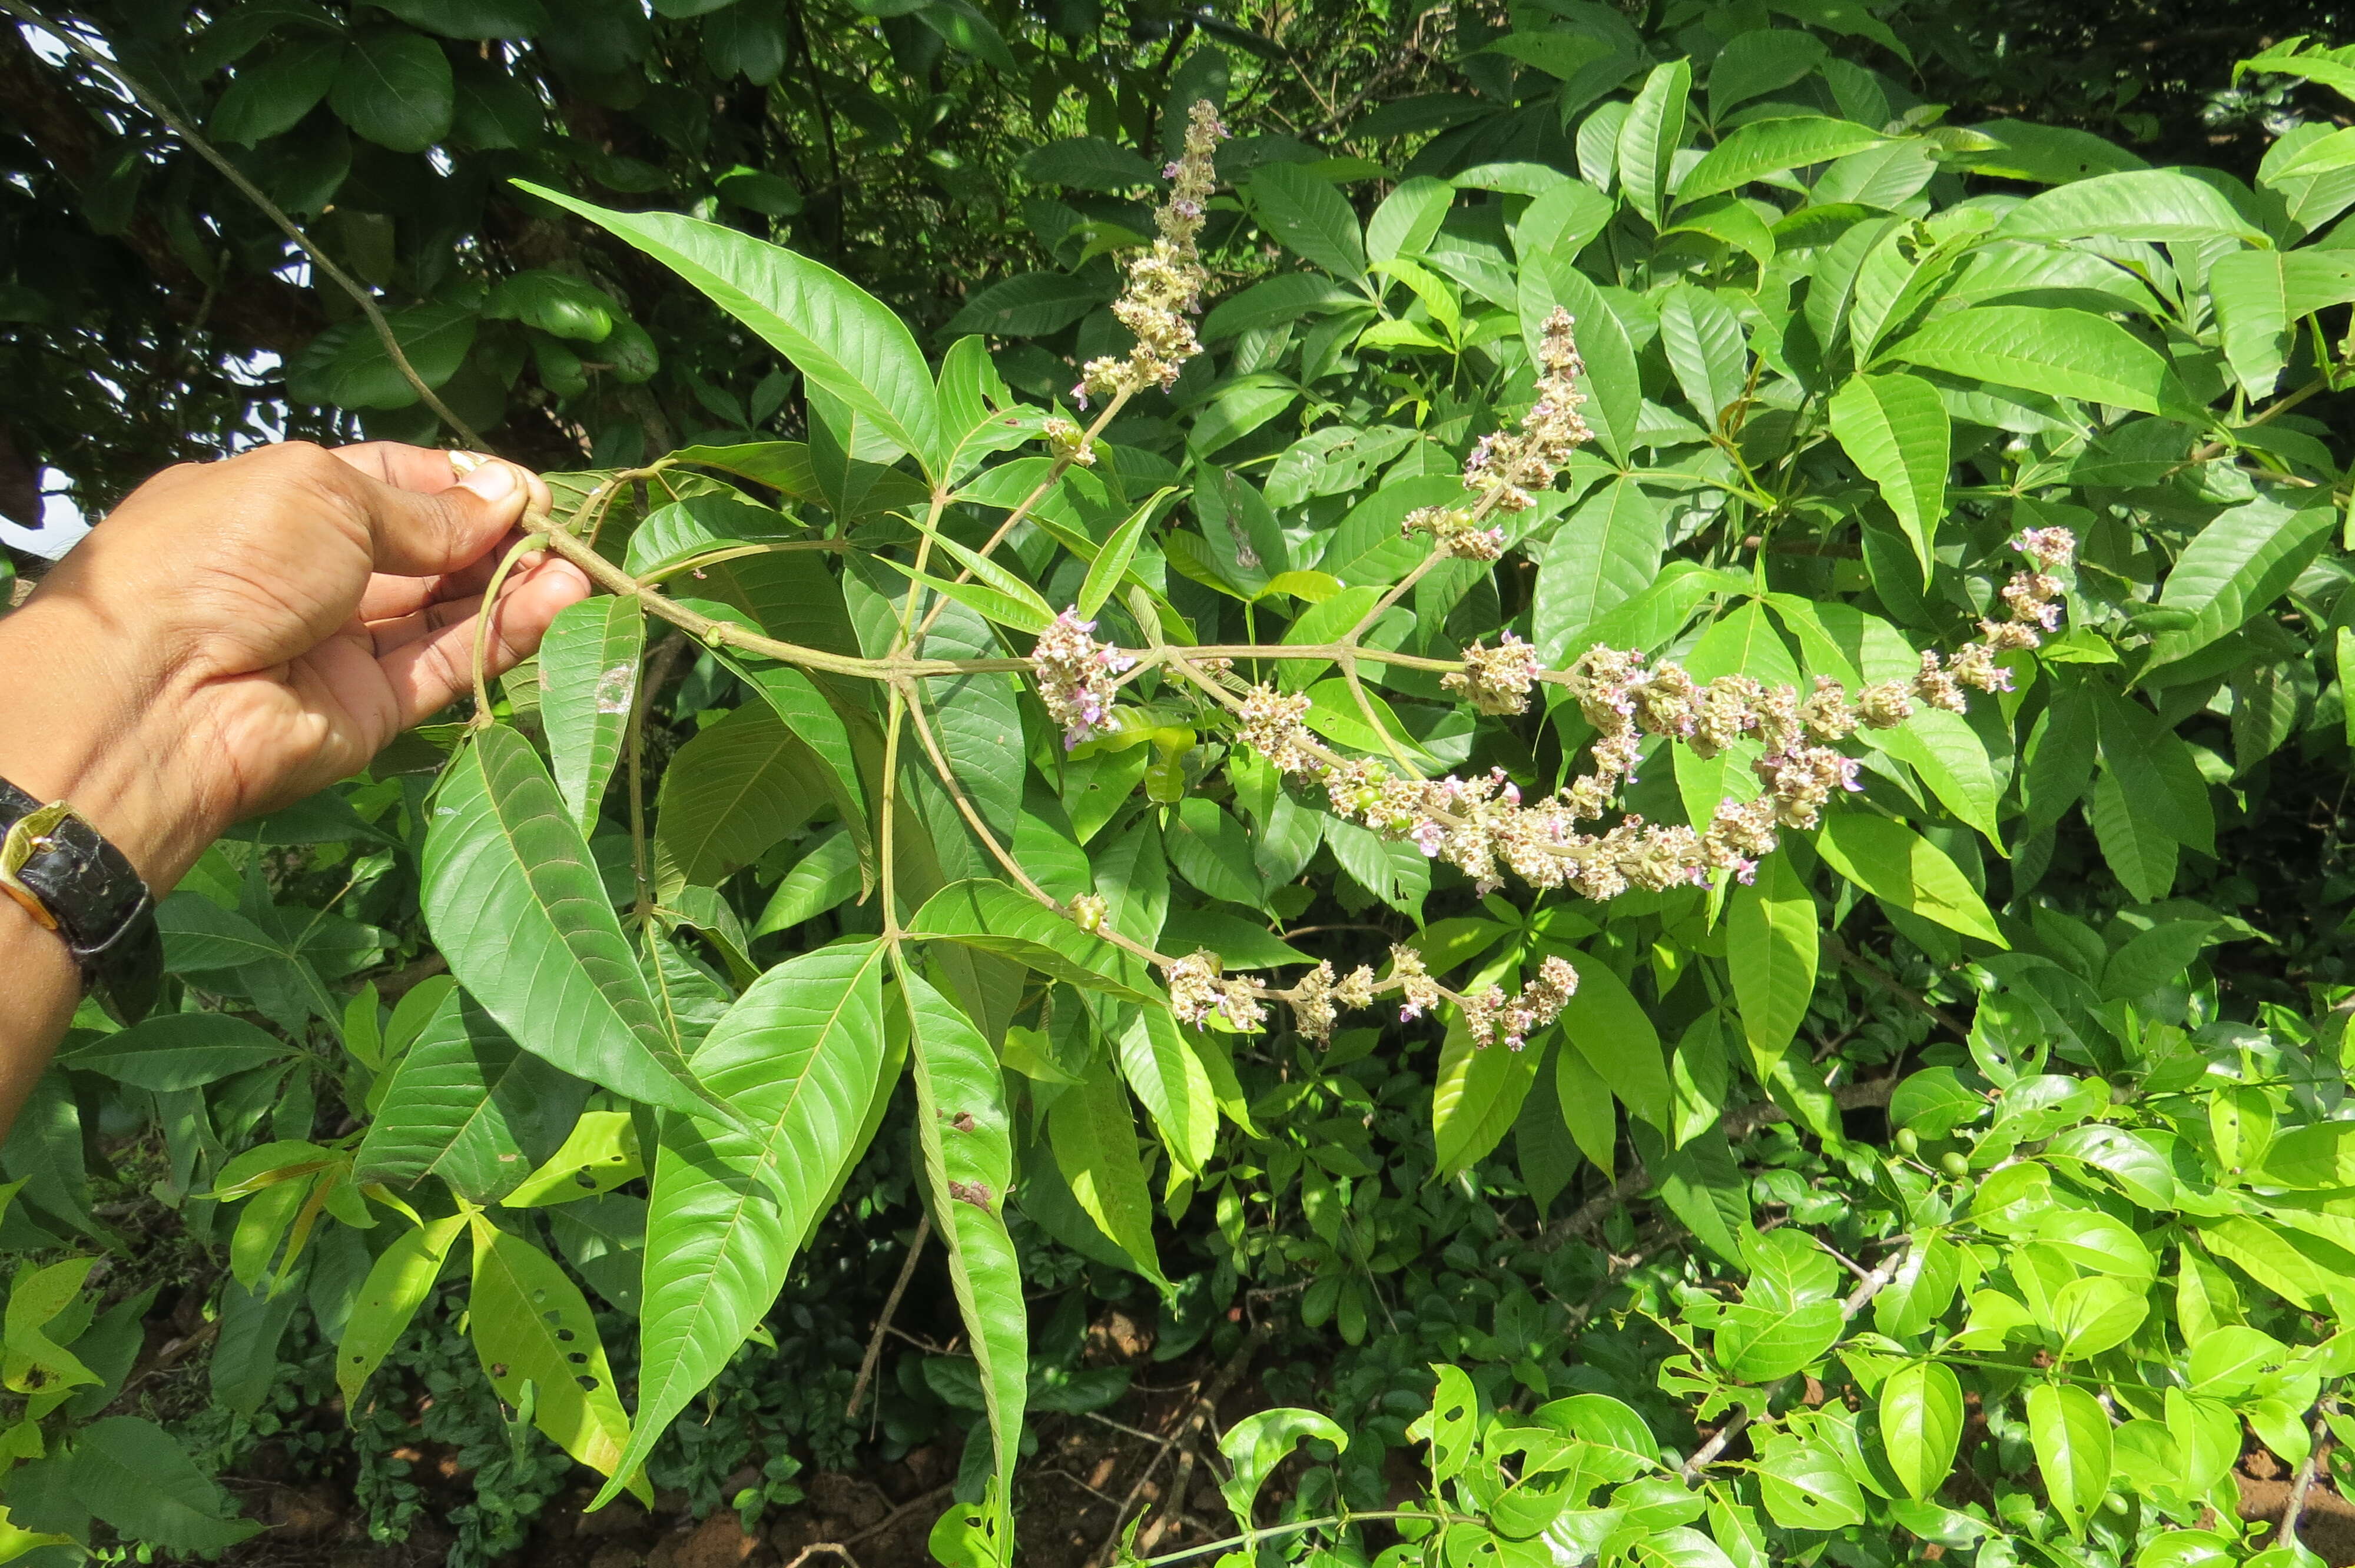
{"type": "Point", "coordinates": [587, 1384]}
{"type": "Point", "coordinates": [566, 1335]}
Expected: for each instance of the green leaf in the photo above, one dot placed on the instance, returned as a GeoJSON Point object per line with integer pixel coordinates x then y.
{"type": "Point", "coordinates": [818, 882]}
{"type": "Point", "coordinates": [1409, 218]}
{"type": "Point", "coordinates": [1278, 301]}
{"type": "Point", "coordinates": [272, 96]}
{"type": "Point", "coordinates": [1895, 430]}
{"type": "Point", "coordinates": [179, 1051]}
{"type": "Point", "coordinates": [2139, 849]}
{"type": "Point", "coordinates": [1949, 757]}
{"type": "Point", "coordinates": [1310, 218]}
{"type": "Point", "coordinates": [394, 87]}
{"type": "Point", "coordinates": [2158, 775]}
{"type": "Point", "coordinates": [1760, 1341]}
{"type": "Point", "coordinates": [1899, 866]}
{"type": "Point", "coordinates": [1030, 305]}
{"type": "Point", "coordinates": [434, 339]}
{"type": "Point", "coordinates": [1650, 135]}
{"type": "Point", "coordinates": [129, 1472]}
{"type": "Point", "coordinates": [2067, 352]}
{"type": "Point", "coordinates": [587, 681]}
{"type": "Point", "coordinates": [599, 1154]}
{"type": "Point", "coordinates": [1765, 147]}
{"type": "Point", "coordinates": [2318, 1156]}
{"type": "Point", "coordinates": [963, 1126]}
{"type": "Point", "coordinates": [1111, 563]}
{"type": "Point", "coordinates": [1772, 937]}
{"type": "Point", "coordinates": [472, 19]}
{"type": "Point", "coordinates": [997, 918]}
{"type": "Point", "coordinates": [515, 904]}
{"type": "Point", "coordinates": [397, 1286]}
{"type": "Point", "coordinates": [2161, 205]}
{"type": "Point", "coordinates": [1805, 1486]}
{"type": "Point", "coordinates": [530, 1323]}
{"type": "Point", "coordinates": [978, 721]}
{"type": "Point", "coordinates": [2252, 319]}
{"type": "Point", "coordinates": [1169, 1076]}
{"type": "Point", "coordinates": [1095, 1137]}
{"type": "Point", "coordinates": [801, 1053]}
{"type": "Point", "coordinates": [968, 32]}
{"type": "Point", "coordinates": [734, 789]}
{"type": "Point", "coordinates": [1257, 1444]}
{"type": "Point", "coordinates": [1610, 1031]}
{"type": "Point", "coordinates": [1614, 389]}
{"type": "Point", "coordinates": [2071, 1433]}
{"type": "Point", "coordinates": [839, 336]}
{"type": "Point", "coordinates": [2234, 568]}
{"type": "Point", "coordinates": [1922, 1425]}
{"type": "Point", "coordinates": [1086, 163]}
{"type": "Point", "coordinates": [1603, 554]}
{"type": "Point", "coordinates": [465, 1104]}
{"type": "Point", "coordinates": [1475, 1097]}
{"type": "Point", "coordinates": [1702, 339]}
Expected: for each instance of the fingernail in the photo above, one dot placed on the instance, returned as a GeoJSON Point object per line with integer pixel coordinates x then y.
{"type": "Point", "coordinates": [492, 482]}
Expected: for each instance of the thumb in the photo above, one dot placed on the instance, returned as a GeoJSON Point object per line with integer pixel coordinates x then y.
{"type": "Point", "coordinates": [418, 528]}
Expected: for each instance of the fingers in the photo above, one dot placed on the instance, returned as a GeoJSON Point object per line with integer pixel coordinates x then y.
{"type": "Point", "coordinates": [430, 665]}
{"type": "Point", "coordinates": [424, 518]}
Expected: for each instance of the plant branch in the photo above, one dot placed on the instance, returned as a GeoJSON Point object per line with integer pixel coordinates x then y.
{"type": "Point", "coordinates": [883, 1323]}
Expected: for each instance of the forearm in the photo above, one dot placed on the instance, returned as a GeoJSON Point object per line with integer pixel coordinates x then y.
{"type": "Point", "coordinates": [86, 717]}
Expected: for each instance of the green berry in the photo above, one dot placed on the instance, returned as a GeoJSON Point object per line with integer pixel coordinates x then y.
{"type": "Point", "coordinates": [1954, 1165]}
{"type": "Point", "coordinates": [1909, 1142]}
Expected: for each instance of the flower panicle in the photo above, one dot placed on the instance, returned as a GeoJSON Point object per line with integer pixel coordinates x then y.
{"type": "Point", "coordinates": [1483, 827]}
{"type": "Point", "coordinates": [1165, 279]}
{"type": "Point", "coordinates": [1078, 676]}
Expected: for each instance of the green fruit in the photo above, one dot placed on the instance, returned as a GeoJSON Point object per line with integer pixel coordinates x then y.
{"type": "Point", "coordinates": [1954, 1165]}
{"type": "Point", "coordinates": [1908, 1142]}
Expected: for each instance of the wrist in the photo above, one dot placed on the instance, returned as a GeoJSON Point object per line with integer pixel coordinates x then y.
{"type": "Point", "coordinates": [87, 716]}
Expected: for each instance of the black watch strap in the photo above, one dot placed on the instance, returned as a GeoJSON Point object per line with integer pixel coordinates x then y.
{"type": "Point", "coordinates": [68, 878]}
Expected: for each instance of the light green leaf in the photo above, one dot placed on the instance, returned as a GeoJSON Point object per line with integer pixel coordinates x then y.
{"type": "Point", "coordinates": [1409, 218]}
{"type": "Point", "coordinates": [997, 918]}
{"type": "Point", "coordinates": [1650, 135]}
{"type": "Point", "coordinates": [515, 903]}
{"type": "Point", "coordinates": [841, 337]}
{"type": "Point", "coordinates": [397, 1286]}
{"type": "Point", "coordinates": [1168, 1074]}
{"type": "Point", "coordinates": [801, 1053]}
{"type": "Point", "coordinates": [1922, 1425]}
{"type": "Point", "coordinates": [1475, 1097]}
{"type": "Point", "coordinates": [1257, 1444]}
{"type": "Point", "coordinates": [1899, 866]}
{"type": "Point", "coordinates": [1896, 431]}
{"type": "Point", "coordinates": [2071, 1433]}
{"type": "Point", "coordinates": [530, 1323]}
{"type": "Point", "coordinates": [587, 681]}
{"type": "Point", "coordinates": [1095, 1137]}
{"type": "Point", "coordinates": [2133, 204]}
{"type": "Point", "coordinates": [2068, 352]}
{"type": "Point", "coordinates": [1603, 554]}
{"type": "Point", "coordinates": [1805, 1486]}
{"type": "Point", "coordinates": [963, 1126]}
{"type": "Point", "coordinates": [1702, 339]}
{"type": "Point", "coordinates": [1608, 1027]}
{"type": "Point", "coordinates": [1111, 563]}
{"type": "Point", "coordinates": [1950, 758]}
{"type": "Point", "coordinates": [2234, 568]}
{"type": "Point", "coordinates": [1765, 147]}
{"type": "Point", "coordinates": [1772, 937]}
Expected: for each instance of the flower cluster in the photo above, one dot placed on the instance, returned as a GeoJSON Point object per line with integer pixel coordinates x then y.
{"type": "Point", "coordinates": [1455, 533]}
{"type": "Point", "coordinates": [1318, 996]}
{"type": "Point", "coordinates": [1482, 826]}
{"type": "Point", "coordinates": [1487, 1013]}
{"type": "Point", "coordinates": [1165, 279]}
{"type": "Point", "coordinates": [1417, 990]}
{"type": "Point", "coordinates": [1496, 680]}
{"type": "Point", "coordinates": [1066, 442]}
{"type": "Point", "coordinates": [1510, 465]}
{"type": "Point", "coordinates": [1075, 675]}
{"type": "Point", "coordinates": [1197, 991]}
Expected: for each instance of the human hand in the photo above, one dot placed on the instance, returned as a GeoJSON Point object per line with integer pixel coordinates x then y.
{"type": "Point", "coordinates": [238, 634]}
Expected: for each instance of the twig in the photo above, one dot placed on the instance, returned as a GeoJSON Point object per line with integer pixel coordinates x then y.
{"type": "Point", "coordinates": [1206, 1411]}
{"type": "Point", "coordinates": [890, 1306]}
{"type": "Point", "coordinates": [1851, 958]}
{"type": "Point", "coordinates": [253, 192]}
{"type": "Point", "coordinates": [1706, 1455]}
{"type": "Point", "coordinates": [2307, 1469]}
{"type": "Point", "coordinates": [892, 1519]}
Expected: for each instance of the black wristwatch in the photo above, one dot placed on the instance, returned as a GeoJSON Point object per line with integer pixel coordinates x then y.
{"type": "Point", "coordinates": [73, 882]}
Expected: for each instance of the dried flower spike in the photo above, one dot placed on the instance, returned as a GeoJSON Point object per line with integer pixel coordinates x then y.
{"type": "Point", "coordinates": [1165, 279]}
